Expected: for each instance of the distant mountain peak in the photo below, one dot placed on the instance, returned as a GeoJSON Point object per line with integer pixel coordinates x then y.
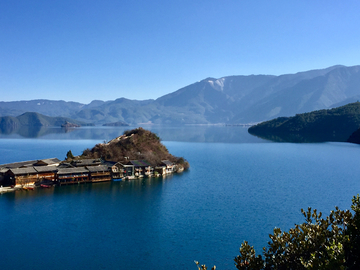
{"type": "Point", "coordinates": [217, 84]}
{"type": "Point", "coordinates": [208, 79]}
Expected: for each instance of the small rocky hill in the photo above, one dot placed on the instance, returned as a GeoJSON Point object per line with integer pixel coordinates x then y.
{"type": "Point", "coordinates": [134, 145]}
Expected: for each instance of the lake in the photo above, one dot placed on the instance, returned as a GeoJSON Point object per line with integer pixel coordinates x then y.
{"type": "Point", "coordinates": [238, 188]}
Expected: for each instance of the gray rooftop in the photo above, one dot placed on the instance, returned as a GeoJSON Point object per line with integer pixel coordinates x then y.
{"type": "Point", "coordinates": [86, 162]}
{"type": "Point", "coordinates": [167, 162]}
{"type": "Point", "coordinates": [30, 163]}
{"type": "Point", "coordinates": [43, 169]}
{"type": "Point", "coordinates": [21, 171]}
{"type": "Point", "coordinates": [140, 163]}
{"type": "Point", "coordinates": [100, 168]}
{"type": "Point", "coordinates": [72, 170]}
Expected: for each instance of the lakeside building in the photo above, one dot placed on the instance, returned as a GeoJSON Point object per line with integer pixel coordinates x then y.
{"type": "Point", "coordinates": [54, 172]}
{"type": "Point", "coordinates": [142, 168]}
{"type": "Point", "coordinates": [28, 172]}
{"type": "Point", "coordinates": [74, 175]}
{"type": "Point", "coordinates": [127, 171]}
{"type": "Point", "coordinates": [100, 173]}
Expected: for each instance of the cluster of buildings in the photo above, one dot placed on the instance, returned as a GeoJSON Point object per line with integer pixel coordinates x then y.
{"type": "Point", "coordinates": [52, 171]}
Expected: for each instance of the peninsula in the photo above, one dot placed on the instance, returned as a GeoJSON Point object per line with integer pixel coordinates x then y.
{"type": "Point", "coordinates": [135, 154]}
{"type": "Point", "coordinates": [336, 125]}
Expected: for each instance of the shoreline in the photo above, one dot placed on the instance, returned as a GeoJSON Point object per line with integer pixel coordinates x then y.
{"type": "Point", "coordinates": [15, 188]}
{"type": "Point", "coordinates": [8, 189]}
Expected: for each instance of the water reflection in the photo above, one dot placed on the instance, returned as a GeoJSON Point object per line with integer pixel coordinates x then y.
{"type": "Point", "coordinates": [225, 134]}
{"type": "Point", "coordinates": [304, 137]}
{"type": "Point", "coordinates": [111, 187]}
{"type": "Point", "coordinates": [31, 131]}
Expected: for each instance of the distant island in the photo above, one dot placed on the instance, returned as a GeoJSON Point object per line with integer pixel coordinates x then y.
{"type": "Point", "coordinates": [116, 124]}
{"type": "Point", "coordinates": [135, 154]}
{"type": "Point", "coordinates": [34, 119]}
{"type": "Point", "coordinates": [70, 125]}
{"type": "Point", "coordinates": [339, 125]}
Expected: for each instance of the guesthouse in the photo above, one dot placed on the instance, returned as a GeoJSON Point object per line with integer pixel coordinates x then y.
{"type": "Point", "coordinates": [66, 176]}
{"type": "Point", "coordinates": [99, 173]}
{"type": "Point", "coordinates": [21, 176]}
{"type": "Point", "coordinates": [127, 171]}
{"type": "Point", "coordinates": [165, 167]}
{"type": "Point", "coordinates": [142, 168]}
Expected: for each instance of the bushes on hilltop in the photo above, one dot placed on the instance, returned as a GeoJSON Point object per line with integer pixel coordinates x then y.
{"type": "Point", "coordinates": [133, 145]}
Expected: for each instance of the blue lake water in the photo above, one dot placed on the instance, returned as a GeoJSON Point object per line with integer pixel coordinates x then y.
{"type": "Point", "coordinates": [238, 188]}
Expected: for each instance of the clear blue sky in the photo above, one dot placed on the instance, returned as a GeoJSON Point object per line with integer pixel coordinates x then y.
{"type": "Point", "coordinates": [81, 50]}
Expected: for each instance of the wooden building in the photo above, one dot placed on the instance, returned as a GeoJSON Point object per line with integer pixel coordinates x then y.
{"type": "Point", "coordinates": [142, 168]}
{"type": "Point", "coordinates": [21, 176]}
{"type": "Point", "coordinates": [66, 176]}
{"type": "Point", "coordinates": [115, 170]}
{"type": "Point", "coordinates": [127, 171]}
{"type": "Point", "coordinates": [46, 173]}
{"type": "Point", "coordinates": [99, 173]}
{"type": "Point", "coordinates": [50, 162]}
{"type": "Point", "coordinates": [169, 166]}
{"type": "Point", "coordinates": [78, 171]}
{"type": "Point", "coordinates": [165, 167]}
{"type": "Point", "coordinates": [28, 172]}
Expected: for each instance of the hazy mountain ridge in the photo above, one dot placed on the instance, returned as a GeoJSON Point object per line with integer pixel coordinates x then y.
{"type": "Point", "coordinates": [42, 106]}
{"type": "Point", "coordinates": [230, 100]}
{"type": "Point", "coordinates": [36, 119]}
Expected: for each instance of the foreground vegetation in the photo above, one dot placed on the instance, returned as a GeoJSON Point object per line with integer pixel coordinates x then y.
{"type": "Point", "coordinates": [332, 242]}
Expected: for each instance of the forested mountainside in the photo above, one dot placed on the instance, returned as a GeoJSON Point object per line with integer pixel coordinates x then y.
{"type": "Point", "coordinates": [228, 100]}
{"type": "Point", "coordinates": [336, 124]}
{"type": "Point", "coordinates": [355, 137]}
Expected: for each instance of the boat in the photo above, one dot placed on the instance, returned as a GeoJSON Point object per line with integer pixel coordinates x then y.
{"type": "Point", "coordinates": [117, 179]}
{"type": "Point", "coordinates": [45, 186]}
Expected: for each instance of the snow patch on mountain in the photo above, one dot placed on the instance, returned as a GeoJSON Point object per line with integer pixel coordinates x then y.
{"type": "Point", "coordinates": [217, 84]}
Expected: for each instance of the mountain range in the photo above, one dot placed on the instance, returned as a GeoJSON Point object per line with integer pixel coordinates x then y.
{"type": "Point", "coordinates": [227, 100]}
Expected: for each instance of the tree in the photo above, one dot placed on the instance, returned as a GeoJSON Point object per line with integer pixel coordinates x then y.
{"type": "Point", "coordinates": [318, 243]}
{"type": "Point", "coordinates": [69, 155]}
{"type": "Point", "coordinates": [352, 246]}
{"type": "Point", "coordinates": [203, 266]}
